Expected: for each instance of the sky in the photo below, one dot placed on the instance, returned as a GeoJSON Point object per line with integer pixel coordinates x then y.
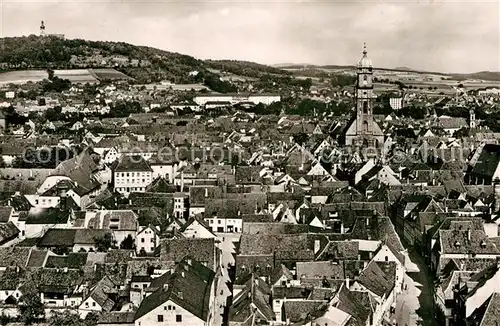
{"type": "Point", "coordinates": [438, 35]}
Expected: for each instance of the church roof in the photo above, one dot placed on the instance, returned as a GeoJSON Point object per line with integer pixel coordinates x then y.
{"type": "Point", "coordinates": [365, 62]}
{"type": "Point", "coordinates": [373, 127]}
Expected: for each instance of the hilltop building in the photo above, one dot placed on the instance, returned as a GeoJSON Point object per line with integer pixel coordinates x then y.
{"type": "Point", "coordinates": [42, 32]}
{"type": "Point", "coordinates": [363, 131]}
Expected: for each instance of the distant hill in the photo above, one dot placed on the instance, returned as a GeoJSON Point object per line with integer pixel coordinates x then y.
{"type": "Point", "coordinates": [404, 69]}
{"type": "Point", "coordinates": [145, 64]}
{"type": "Point", "coordinates": [482, 75]}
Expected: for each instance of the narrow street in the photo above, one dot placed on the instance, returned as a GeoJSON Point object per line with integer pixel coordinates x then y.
{"type": "Point", "coordinates": [224, 293]}
{"type": "Point", "coordinates": [424, 278]}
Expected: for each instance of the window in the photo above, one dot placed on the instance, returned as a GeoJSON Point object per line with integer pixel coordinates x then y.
{"type": "Point", "coordinates": [160, 318]}
{"type": "Point", "coordinates": [365, 77]}
{"type": "Point", "coordinates": [386, 258]}
{"type": "Point", "coordinates": [219, 222]}
{"type": "Point", "coordinates": [365, 107]}
{"type": "Point", "coordinates": [178, 318]}
{"type": "Point", "coordinates": [93, 304]}
{"type": "Point", "coordinates": [142, 240]}
{"type": "Point", "coordinates": [152, 240]}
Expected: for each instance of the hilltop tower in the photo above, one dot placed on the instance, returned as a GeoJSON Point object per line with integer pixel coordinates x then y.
{"type": "Point", "coordinates": [42, 29]}
{"type": "Point", "coordinates": [472, 119]}
{"type": "Point", "coordinates": [363, 131]}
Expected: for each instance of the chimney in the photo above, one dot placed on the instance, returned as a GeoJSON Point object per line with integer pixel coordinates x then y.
{"type": "Point", "coordinates": [468, 234]}
{"type": "Point", "coordinates": [165, 287]}
{"type": "Point", "coordinates": [189, 261]}
{"type": "Point", "coordinates": [367, 221]}
{"type": "Point", "coordinates": [182, 274]}
{"type": "Point", "coordinates": [206, 192]}
{"type": "Point", "coordinates": [347, 282]}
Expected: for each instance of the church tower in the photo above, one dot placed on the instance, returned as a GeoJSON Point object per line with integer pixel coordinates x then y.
{"type": "Point", "coordinates": [42, 29]}
{"type": "Point", "coordinates": [364, 132]}
{"type": "Point", "coordinates": [472, 119]}
{"type": "Point", "coordinates": [364, 95]}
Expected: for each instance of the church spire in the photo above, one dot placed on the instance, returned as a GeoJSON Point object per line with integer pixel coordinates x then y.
{"type": "Point", "coordinates": [365, 62]}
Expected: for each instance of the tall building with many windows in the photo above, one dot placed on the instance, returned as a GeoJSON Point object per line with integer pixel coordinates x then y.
{"type": "Point", "coordinates": [132, 174]}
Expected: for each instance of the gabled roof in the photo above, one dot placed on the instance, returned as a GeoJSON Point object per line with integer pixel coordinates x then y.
{"type": "Point", "coordinates": [379, 277]}
{"type": "Point", "coordinates": [49, 216]}
{"type": "Point", "coordinates": [488, 314]}
{"type": "Point", "coordinates": [132, 163]}
{"type": "Point", "coordinates": [188, 286]}
{"type": "Point", "coordinates": [350, 303]}
{"type": "Point", "coordinates": [8, 231]}
{"type": "Point", "coordinates": [202, 250]}
{"type": "Point", "coordinates": [5, 213]}
{"type": "Point", "coordinates": [255, 293]}
{"type": "Point", "coordinates": [75, 260]}
{"type": "Point", "coordinates": [14, 256]}
{"type": "Point", "coordinates": [101, 291]}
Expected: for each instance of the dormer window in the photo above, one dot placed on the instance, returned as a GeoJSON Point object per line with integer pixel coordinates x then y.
{"type": "Point", "coordinates": [457, 244]}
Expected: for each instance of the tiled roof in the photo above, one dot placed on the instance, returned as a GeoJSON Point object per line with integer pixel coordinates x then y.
{"type": "Point", "coordinates": [255, 293]}
{"type": "Point", "coordinates": [202, 250]}
{"type": "Point", "coordinates": [290, 292]}
{"type": "Point", "coordinates": [132, 163]}
{"type": "Point", "coordinates": [320, 269]}
{"type": "Point", "coordinates": [10, 279]}
{"type": "Point", "coordinates": [466, 241]}
{"type": "Point", "coordinates": [56, 280]}
{"type": "Point", "coordinates": [270, 244]}
{"type": "Point", "coordinates": [87, 236]}
{"type": "Point", "coordinates": [350, 304]}
{"type": "Point", "coordinates": [488, 161]}
{"type": "Point", "coordinates": [72, 261]}
{"type": "Point", "coordinates": [487, 314]}
{"type": "Point", "coordinates": [37, 258]}
{"type": "Point", "coordinates": [124, 220]}
{"type": "Point", "coordinates": [8, 231]}
{"type": "Point", "coordinates": [58, 238]}
{"type": "Point", "coordinates": [101, 292]}
{"type": "Point", "coordinates": [47, 216]}
{"type": "Point", "coordinates": [79, 169]}
{"type": "Point", "coordinates": [337, 250]}
{"type": "Point", "coordinates": [246, 204]}
{"type": "Point", "coordinates": [188, 286]}
{"type": "Point", "coordinates": [5, 213]}
{"type": "Point", "coordinates": [116, 317]}
{"type": "Point", "coordinates": [297, 311]}
{"type": "Point", "coordinates": [379, 277]}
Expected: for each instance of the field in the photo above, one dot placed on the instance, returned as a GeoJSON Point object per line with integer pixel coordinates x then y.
{"type": "Point", "coordinates": [78, 76]}
{"type": "Point", "coordinates": [108, 73]}
{"type": "Point", "coordinates": [22, 77]}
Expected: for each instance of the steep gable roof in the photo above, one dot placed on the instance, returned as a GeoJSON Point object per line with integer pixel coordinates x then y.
{"type": "Point", "coordinates": [188, 286]}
